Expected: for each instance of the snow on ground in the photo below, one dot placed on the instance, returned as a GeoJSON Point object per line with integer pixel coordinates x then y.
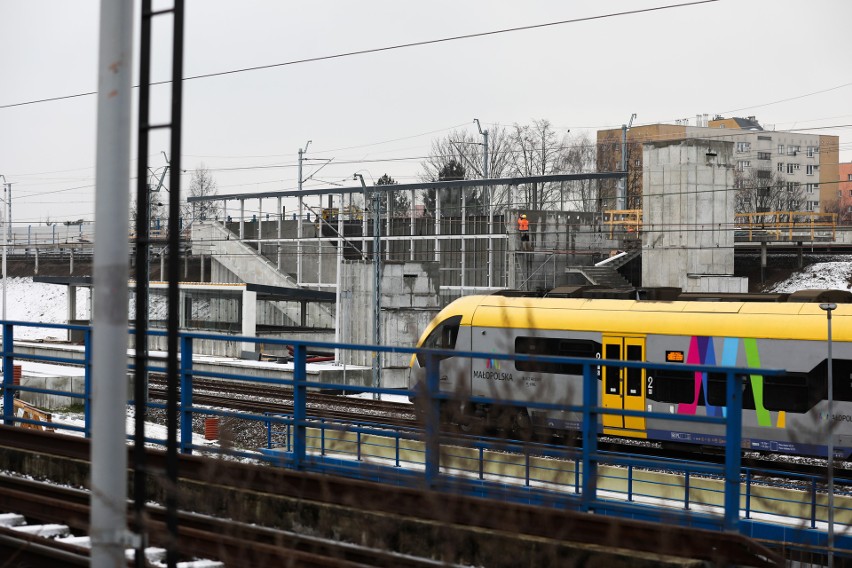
{"type": "Point", "coordinates": [41, 303]}
{"type": "Point", "coordinates": [820, 276]}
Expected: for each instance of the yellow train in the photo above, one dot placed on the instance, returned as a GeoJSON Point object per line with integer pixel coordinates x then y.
{"type": "Point", "coordinates": [785, 414]}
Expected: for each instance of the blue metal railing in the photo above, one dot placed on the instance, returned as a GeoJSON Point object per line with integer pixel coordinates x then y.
{"type": "Point", "coordinates": [541, 474]}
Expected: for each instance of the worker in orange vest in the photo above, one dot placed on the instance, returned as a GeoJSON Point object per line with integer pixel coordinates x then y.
{"type": "Point", "coordinates": [524, 231]}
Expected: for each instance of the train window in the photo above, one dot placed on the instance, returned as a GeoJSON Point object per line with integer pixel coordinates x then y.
{"type": "Point", "coordinates": [673, 386]}
{"type": "Point", "coordinates": [442, 337]}
{"type": "Point", "coordinates": [634, 376]}
{"type": "Point", "coordinates": [789, 392]}
{"type": "Point", "coordinates": [716, 391]}
{"type": "Point", "coordinates": [612, 375]}
{"type": "Point", "coordinates": [556, 347]}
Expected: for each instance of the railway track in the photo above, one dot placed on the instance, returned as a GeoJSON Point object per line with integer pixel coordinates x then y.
{"type": "Point", "coordinates": [200, 536]}
{"type": "Point", "coordinates": [279, 400]}
{"type": "Point", "coordinates": [355, 523]}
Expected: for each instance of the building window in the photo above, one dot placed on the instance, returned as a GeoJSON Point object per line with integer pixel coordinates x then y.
{"type": "Point", "coordinates": [743, 164]}
{"type": "Point", "coordinates": [809, 169]}
{"type": "Point", "coordinates": [850, 193]}
{"type": "Point", "coordinates": [811, 151]}
{"type": "Point", "coordinates": [792, 150]}
{"type": "Point", "coordinates": [792, 186]}
{"type": "Point", "coordinates": [780, 149]}
{"type": "Point", "coordinates": [781, 167]}
{"type": "Point", "coordinates": [743, 146]}
{"type": "Point", "coordinates": [849, 177]}
{"type": "Point", "coordinates": [764, 156]}
{"type": "Point", "coordinates": [790, 168]}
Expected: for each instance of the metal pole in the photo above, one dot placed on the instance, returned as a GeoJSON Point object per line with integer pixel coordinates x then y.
{"type": "Point", "coordinates": [489, 208]}
{"type": "Point", "coordinates": [9, 217]}
{"type": "Point", "coordinates": [172, 339]}
{"type": "Point", "coordinates": [621, 198]}
{"type": "Point", "coordinates": [109, 355]}
{"type": "Point", "coordinates": [338, 334]}
{"type": "Point", "coordinates": [301, 214]}
{"type": "Point", "coordinates": [4, 254]}
{"type": "Point", "coordinates": [377, 288]}
{"type": "Point", "coordinates": [830, 454]}
{"type": "Point", "coordinates": [143, 282]}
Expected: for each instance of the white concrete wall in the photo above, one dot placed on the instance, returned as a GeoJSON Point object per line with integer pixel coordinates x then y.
{"type": "Point", "coordinates": [409, 302]}
{"type": "Point", "coordinates": [688, 211]}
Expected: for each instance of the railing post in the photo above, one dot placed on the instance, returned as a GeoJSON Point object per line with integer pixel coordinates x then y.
{"type": "Point", "coordinates": [300, 391]}
{"type": "Point", "coordinates": [433, 421]}
{"type": "Point", "coordinates": [590, 438]}
{"type": "Point", "coordinates": [8, 376]}
{"type": "Point", "coordinates": [87, 381]}
{"type": "Point", "coordinates": [748, 495]}
{"type": "Point", "coordinates": [630, 483]}
{"type": "Point", "coordinates": [734, 425]}
{"type": "Point", "coordinates": [186, 395]}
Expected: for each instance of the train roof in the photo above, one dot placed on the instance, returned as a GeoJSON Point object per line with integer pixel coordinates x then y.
{"type": "Point", "coordinates": [777, 320]}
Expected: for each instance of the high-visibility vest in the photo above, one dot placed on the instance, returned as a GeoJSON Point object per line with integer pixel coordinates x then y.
{"type": "Point", "coordinates": [523, 225]}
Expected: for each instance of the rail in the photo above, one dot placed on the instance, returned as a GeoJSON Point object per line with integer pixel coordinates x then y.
{"type": "Point", "coordinates": [625, 220]}
{"type": "Point", "coordinates": [785, 225]}
{"type": "Point", "coordinates": [704, 495]}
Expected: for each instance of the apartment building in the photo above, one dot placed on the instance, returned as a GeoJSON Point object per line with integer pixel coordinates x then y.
{"type": "Point", "coordinates": [807, 164]}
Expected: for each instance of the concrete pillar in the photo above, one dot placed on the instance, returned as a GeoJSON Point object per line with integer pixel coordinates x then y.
{"type": "Point", "coordinates": [71, 261]}
{"type": "Point", "coordinates": [411, 242]}
{"type": "Point", "coordinates": [249, 319]}
{"type": "Point", "coordinates": [299, 241]}
{"type": "Point", "coordinates": [71, 305]}
{"type": "Point", "coordinates": [242, 219]}
{"type": "Point", "coordinates": [259, 224]}
{"type": "Point", "coordinates": [461, 244]}
{"type": "Point", "coordinates": [182, 309]}
{"type": "Point", "coordinates": [437, 225]}
{"type": "Point", "coordinates": [280, 226]}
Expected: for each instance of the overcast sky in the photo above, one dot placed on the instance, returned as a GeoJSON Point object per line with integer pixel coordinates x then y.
{"type": "Point", "coordinates": [785, 62]}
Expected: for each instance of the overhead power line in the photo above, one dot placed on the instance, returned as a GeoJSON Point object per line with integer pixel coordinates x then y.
{"type": "Point", "coordinates": [388, 48]}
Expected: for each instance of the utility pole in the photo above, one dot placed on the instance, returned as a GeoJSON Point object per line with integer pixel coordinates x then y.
{"type": "Point", "coordinates": [828, 308]}
{"type": "Point", "coordinates": [5, 185]}
{"type": "Point", "coordinates": [621, 201]}
{"type": "Point", "coordinates": [108, 512]}
{"type": "Point", "coordinates": [488, 208]}
{"type": "Point", "coordinates": [299, 221]}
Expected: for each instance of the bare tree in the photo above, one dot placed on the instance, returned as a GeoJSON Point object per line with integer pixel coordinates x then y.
{"type": "Point", "coordinates": [202, 184]}
{"type": "Point", "coordinates": [578, 156]}
{"type": "Point", "coordinates": [761, 191]}
{"type": "Point", "coordinates": [466, 148]}
{"type": "Point", "coordinates": [537, 149]}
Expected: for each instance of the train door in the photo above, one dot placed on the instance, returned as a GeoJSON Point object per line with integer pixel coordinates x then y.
{"type": "Point", "coordinates": [623, 388]}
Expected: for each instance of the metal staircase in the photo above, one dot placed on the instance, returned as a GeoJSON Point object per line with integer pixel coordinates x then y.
{"type": "Point", "coordinates": [606, 273]}
{"type": "Point", "coordinates": [249, 266]}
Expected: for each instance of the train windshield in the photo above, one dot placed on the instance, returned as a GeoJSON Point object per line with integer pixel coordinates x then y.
{"type": "Point", "coordinates": [442, 337]}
